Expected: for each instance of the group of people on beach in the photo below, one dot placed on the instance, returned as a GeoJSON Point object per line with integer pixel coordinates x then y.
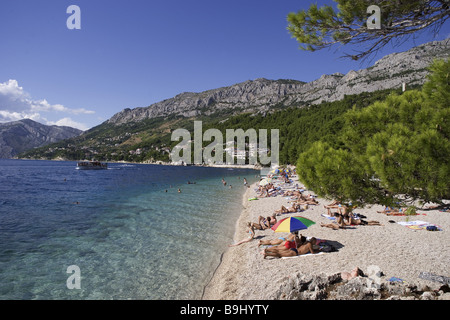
{"type": "Point", "coordinates": [344, 217]}
{"type": "Point", "coordinates": [294, 244]}
{"type": "Point", "coordinates": [267, 190]}
{"type": "Point", "coordinates": [300, 202]}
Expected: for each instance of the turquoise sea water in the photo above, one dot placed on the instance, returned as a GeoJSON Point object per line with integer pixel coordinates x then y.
{"type": "Point", "coordinates": [129, 237]}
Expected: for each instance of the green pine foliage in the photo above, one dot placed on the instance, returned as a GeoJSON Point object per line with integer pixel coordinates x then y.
{"type": "Point", "coordinates": [317, 28]}
{"type": "Point", "coordinates": [395, 149]}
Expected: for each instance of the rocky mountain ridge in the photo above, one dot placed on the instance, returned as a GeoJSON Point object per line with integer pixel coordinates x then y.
{"type": "Point", "coordinates": [262, 95]}
{"type": "Point", "coordinates": [18, 136]}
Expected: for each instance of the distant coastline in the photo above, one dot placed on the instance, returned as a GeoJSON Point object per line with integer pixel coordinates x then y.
{"type": "Point", "coordinates": [237, 166]}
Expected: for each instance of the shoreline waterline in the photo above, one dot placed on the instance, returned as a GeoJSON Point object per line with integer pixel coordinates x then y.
{"type": "Point", "coordinates": [225, 260]}
{"type": "Point", "coordinates": [157, 163]}
{"type": "Point", "coordinates": [223, 277]}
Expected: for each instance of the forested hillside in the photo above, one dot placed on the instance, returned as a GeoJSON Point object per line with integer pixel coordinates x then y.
{"type": "Point", "coordinates": [150, 140]}
{"type": "Point", "coordinates": [300, 128]}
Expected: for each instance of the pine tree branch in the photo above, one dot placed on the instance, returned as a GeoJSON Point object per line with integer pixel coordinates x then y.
{"type": "Point", "coordinates": [319, 31]}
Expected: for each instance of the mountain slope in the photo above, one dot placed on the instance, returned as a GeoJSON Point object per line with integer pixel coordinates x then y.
{"type": "Point", "coordinates": [143, 134]}
{"type": "Point", "coordinates": [261, 95]}
{"type": "Point", "coordinates": [19, 136]}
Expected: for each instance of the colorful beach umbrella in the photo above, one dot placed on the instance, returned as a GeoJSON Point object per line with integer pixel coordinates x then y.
{"type": "Point", "coordinates": [292, 224]}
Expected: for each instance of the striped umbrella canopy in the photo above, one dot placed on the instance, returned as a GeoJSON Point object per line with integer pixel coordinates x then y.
{"type": "Point", "coordinates": [292, 224]}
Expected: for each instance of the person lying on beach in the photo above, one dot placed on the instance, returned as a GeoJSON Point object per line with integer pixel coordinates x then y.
{"type": "Point", "coordinates": [391, 211]}
{"type": "Point", "coordinates": [387, 209]}
{"type": "Point", "coordinates": [310, 201]}
{"type": "Point", "coordinates": [350, 219]}
{"type": "Point", "coordinates": [295, 208]}
{"type": "Point", "coordinates": [281, 241]}
{"type": "Point", "coordinates": [293, 193]}
{"type": "Point", "coordinates": [303, 248]}
{"type": "Point", "coordinates": [353, 274]}
{"type": "Point", "coordinates": [263, 191]}
{"type": "Point", "coordinates": [343, 209]}
{"type": "Point", "coordinates": [339, 224]}
{"type": "Point", "coordinates": [250, 237]}
{"type": "Point", "coordinates": [264, 223]}
{"type": "Point", "coordinates": [269, 190]}
{"type": "Point", "coordinates": [334, 203]}
{"type": "Point", "coordinates": [300, 196]}
{"type": "Point", "coordinates": [288, 244]}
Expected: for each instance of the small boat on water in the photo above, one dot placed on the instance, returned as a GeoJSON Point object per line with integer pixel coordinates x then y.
{"type": "Point", "coordinates": [91, 165]}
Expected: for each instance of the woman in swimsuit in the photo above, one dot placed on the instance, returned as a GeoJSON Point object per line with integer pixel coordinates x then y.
{"type": "Point", "coordinates": [292, 209]}
{"type": "Point", "coordinates": [264, 223]}
{"type": "Point", "coordinates": [251, 235]}
{"type": "Point", "coordinates": [349, 220]}
{"type": "Point", "coordinates": [339, 224]}
{"type": "Point", "coordinates": [280, 241]}
{"type": "Point", "coordinates": [292, 252]}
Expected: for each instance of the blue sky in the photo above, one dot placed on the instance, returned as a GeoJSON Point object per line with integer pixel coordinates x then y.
{"type": "Point", "coordinates": [133, 53]}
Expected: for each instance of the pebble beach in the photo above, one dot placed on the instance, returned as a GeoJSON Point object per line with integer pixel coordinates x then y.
{"type": "Point", "coordinates": [396, 250]}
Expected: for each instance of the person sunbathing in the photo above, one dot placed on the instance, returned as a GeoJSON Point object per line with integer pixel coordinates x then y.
{"type": "Point", "coordinates": [282, 241]}
{"type": "Point", "coordinates": [303, 248]}
{"type": "Point", "coordinates": [264, 223]}
{"type": "Point", "coordinates": [261, 190]}
{"type": "Point", "coordinates": [286, 246]}
{"type": "Point", "coordinates": [295, 208]}
{"type": "Point", "coordinates": [250, 237]}
{"type": "Point", "coordinates": [293, 193]}
{"type": "Point", "coordinates": [390, 211]}
{"type": "Point", "coordinates": [303, 197]}
{"type": "Point", "coordinates": [334, 203]}
{"type": "Point", "coordinates": [310, 201]}
{"type": "Point", "coordinates": [308, 247]}
{"type": "Point", "coordinates": [353, 274]}
{"type": "Point", "coordinates": [339, 224]}
{"type": "Point", "coordinates": [350, 220]}
{"type": "Point", "coordinates": [267, 190]}
{"type": "Point", "coordinates": [343, 209]}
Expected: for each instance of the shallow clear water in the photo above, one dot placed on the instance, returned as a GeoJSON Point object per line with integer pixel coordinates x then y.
{"type": "Point", "coordinates": [130, 238]}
